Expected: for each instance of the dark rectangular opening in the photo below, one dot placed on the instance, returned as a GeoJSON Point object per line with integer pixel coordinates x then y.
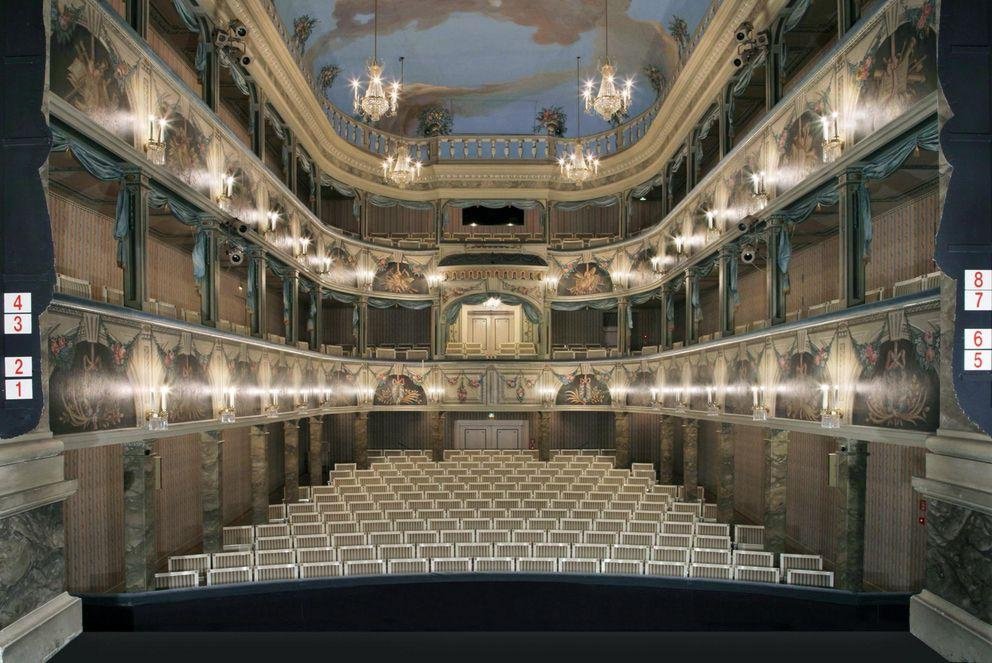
{"type": "Point", "coordinates": [486, 216]}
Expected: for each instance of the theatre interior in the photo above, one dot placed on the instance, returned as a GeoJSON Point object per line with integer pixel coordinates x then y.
{"type": "Point", "coordinates": [628, 307]}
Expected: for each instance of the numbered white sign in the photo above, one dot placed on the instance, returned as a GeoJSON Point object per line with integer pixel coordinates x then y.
{"type": "Point", "coordinates": [18, 390]}
{"type": "Point", "coordinates": [978, 289]}
{"type": "Point", "coordinates": [16, 323]}
{"type": "Point", "coordinates": [17, 302]}
{"type": "Point", "coordinates": [17, 367]}
{"type": "Point", "coordinates": [978, 360]}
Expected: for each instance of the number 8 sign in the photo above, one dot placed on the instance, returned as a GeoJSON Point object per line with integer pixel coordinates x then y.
{"type": "Point", "coordinates": [978, 290]}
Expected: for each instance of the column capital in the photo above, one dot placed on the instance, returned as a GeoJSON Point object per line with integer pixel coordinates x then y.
{"type": "Point", "coordinates": [851, 175]}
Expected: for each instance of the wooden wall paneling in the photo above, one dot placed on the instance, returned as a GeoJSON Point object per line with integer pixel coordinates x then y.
{"type": "Point", "coordinates": [399, 430]}
{"type": "Point", "coordinates": [810, 503]}
{"type": "Point", "coordinates": [233, 305]}
{"type": "Point", "coordinates": [582, 430]}
{"type": "Point", "coordinates": [178, 507]}
{"type": "Point", "coordinates": [645, 438]}
{"type": "Point", "coordinates": [170, 275]}
{"type": "Point", "coordinates": [903, 245]}
{"type": "Point", "coordinates": [582, 327]}
{"type": "Point", "coordinates": [338, 213]}
{"type": "Point", "coordinates": [341, 437]}
{"type": "Point", "coordinates": [94, 520]}
{"type": "Point", "coordinates": [232, 122]}
{"type": "Point", "coordinates": [591, 220]}
{"type": "Point", "coordinates": [749, 473]}
{"type": "Point", "coordinates": [644, 214]}
{"type": "Point", "coordinates": [236, 476]}
{"type": "Point", "coordinates": [398, 325]}
{"type": "Point", "coordinates": [451, 418]}
{"type": "Point", "coordinates": [895, 543]}
{"type": "Point", "coordinates": [175, 61]}
{"type": "Point", "coordinates": [531, 226]}
{"type": "Point", "coordinates": [84, 243]}
{"type": "Point", "coordinates": [400, 221]}
{"type": "Point", "coordinates": [275, 453]}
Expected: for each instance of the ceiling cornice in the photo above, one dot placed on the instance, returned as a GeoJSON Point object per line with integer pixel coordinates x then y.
{"type": "Point", "coordinates": [275, 69]}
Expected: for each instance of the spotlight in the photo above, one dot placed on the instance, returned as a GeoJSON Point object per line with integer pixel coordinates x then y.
{"type": "Point", "coordinates": [744, 31]}
{"type": "Point", "coordinates": [235, 255]}
{"type": "Point", "coordinates": [239, 29]}
{"type": "Point", "coordinates": [748, 254]}
{"type": "Point", "coordinates": [243, 228]}
{"type": "Point", "coordinates": [245, 60]}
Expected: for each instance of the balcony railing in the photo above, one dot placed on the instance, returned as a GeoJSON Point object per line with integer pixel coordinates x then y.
{"type": "Point", "coordinates": [488, 147]}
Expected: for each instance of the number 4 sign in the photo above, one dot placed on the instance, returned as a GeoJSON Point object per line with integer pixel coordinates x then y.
{"type": "Point", "coordinates": [17, 313]}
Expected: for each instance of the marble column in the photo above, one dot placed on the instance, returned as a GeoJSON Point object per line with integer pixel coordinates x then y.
{"type": "Point", "coordinates": [259, 475]}
{"type": "Point", "coordinates": [37, 616]}
{"type": "Point", "coordinates": [621, 439]}
{"type": "Point", "coordinates": [437, 435]}
{"type": "Point", "coordinates": [291, 461]}
{"type": "Point", "coordinates": [139, 516]}
{"type": "Point", "coordinates": [315, 449]}
{"type": "Point", "coordinates": [690, 459]}
{"type": "Point", "coordinates": [849, 526]}
{"type": "Point", "coordinates": [776, 461]}
{"type": "Point", "coordinates": [211, 485]}
{"type": "Point", "coordinates": [725, 476]}
{"type": "Point", "coordinates": [362, 439]}
{"type": "Point", "coordinates": [666, 459]}
{"type": "Point", "coordinates": [544, 435]}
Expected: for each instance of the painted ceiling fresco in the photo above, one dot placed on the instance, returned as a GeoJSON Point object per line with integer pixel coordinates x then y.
{"type": "Point", "coordinates": [493, 64]}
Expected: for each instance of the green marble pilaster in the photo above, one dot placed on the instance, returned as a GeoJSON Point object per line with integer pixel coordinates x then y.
{"type": "Point", "coordinates": [621, 439]}
{"type": "Point", "coordinates": [362, 439]}
{"type": "Point", "coordinates": [849, 527]}
{"type": "Point", "coordinates": [959, 550]}
{"type": "Point", "coordinates": [776, 453]}
{"type": "Point", "coordinates": [291, 461]}
{"type": "Point", "coordinates": [690, 459]}
{"type": "Point", "coordinates": [32, 561]}
{"type": "Point", "coordinates": [139, 516]}
{"type": "Point", "coordinates": [666, 462]}
{"type": "Point", "coordinates": [544, 435]}
{"type": "Point", "coordinates": [315, 449]}
{"type": "Point", "coordinates": [725, 477]}
{"type": "Point", "coordinates": [259, 476]}
{"type": "Point", "coordinates": [211, 482]}
{"type": "Point", "coordinates": [437, 435]}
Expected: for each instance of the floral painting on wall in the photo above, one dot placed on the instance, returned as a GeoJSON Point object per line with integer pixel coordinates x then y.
{"type": "Point", "coordinates": [88, 73]}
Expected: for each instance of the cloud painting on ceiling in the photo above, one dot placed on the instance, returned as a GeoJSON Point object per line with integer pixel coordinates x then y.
{"type": "Point", "coordinates": [492, 64]}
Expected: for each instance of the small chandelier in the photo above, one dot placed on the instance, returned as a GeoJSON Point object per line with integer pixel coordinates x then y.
{"type": "Point", "coordinates": [610, 100]}
{"type": "Point", "coordinates": [580, 165]}
{"type": "Point", "coordinates": [400, 168]}
{"type": "Point", "coordinates": [375, 103]}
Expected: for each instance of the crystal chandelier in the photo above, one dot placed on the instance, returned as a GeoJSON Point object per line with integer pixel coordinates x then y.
{"type": "Point", "coordinates": [375, 103]}
{"type": "Point", "coordinates": [400, 168]}
{"type": "Point", "coordinates": [580, 165]}
{"type": "Point", "coordinates": [610, 100]}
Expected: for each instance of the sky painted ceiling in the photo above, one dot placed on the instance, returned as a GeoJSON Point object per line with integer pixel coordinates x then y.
{"type": "Point", "coordinates": [492, 63]}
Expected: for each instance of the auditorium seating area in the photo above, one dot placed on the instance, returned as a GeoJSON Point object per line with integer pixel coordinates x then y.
{"type": "Point", "coordinates": [492, 512]}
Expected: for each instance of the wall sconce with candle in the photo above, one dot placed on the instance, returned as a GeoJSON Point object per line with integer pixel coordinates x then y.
{"type": "Point", "coordinates": [227, 415]}
{"type": "Point", "coordinates": [300, 247]}
{"type": "Point", "coordinates": [271, 221]}
{"type": "Point", "coordinates": [712, 407]}
{"type": "Point", "coordinates": [680, 404]}
{"type": "Point", "coordinates": [830, 414]}
{"type": "Point", "coordinates": [760, 411]}
{"type": "Point", "coordinates": [833, 144]}
{"type": "Point", "coordinates": [158, 420]}
{"type": "Point", "coordinates": [325, 396]}
{"type": "Point", "coordinates": [551, 282]}
{"type": "Point", "coordinates": [272, 409]}
{"type": "Point", "coordinates": [679, 243]}
{"type": "Point", "coordinates": [155, 145]}
{"type": "Point", "coordinates": [226, 192]}
{"type": "Point", "coordinates": [759, 194]}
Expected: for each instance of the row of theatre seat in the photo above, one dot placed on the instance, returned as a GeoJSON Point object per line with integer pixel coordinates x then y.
{"type": "Point", "coordinates": [502, 512]}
